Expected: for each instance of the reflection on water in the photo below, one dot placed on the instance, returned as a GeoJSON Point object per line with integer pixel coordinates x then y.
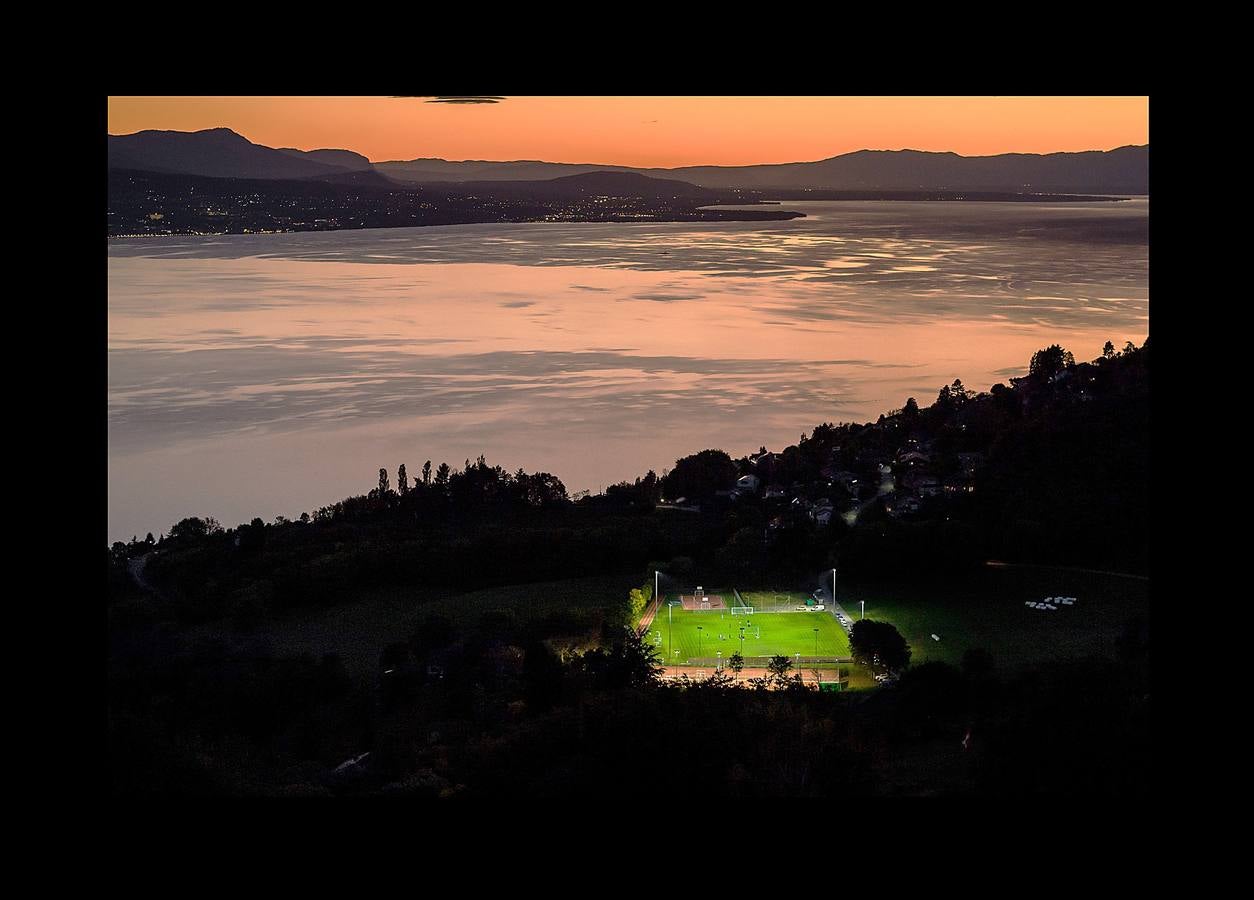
{"type": "Point", "coordinates": [269, 374]}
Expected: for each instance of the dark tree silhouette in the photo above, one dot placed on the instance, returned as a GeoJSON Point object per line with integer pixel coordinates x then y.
{"type": "Point", "coordinates": [879, 645]}
{"type": "Point", "coordinates": [426, 472]}
{"type": "Point", "coordinates": [700, 475]}
{"type": "Point", "coordinates": [540, 489]}
{"type": "Point", "coordinates": [385, 486]}
{"type": "Point", "coordinates": [627, 662]}
{"type": "Point", "coordinates": [779, 666]}
{"type": "Point", "coordinates": [1050, 361]}
{"type": "Point", "coordinates": [402, 480]}
{"type": "Point", "coordinates": [195, 528]}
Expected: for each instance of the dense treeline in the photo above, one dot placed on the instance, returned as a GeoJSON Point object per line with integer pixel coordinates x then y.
{"type": "Point", "coordinates": [460, 530]}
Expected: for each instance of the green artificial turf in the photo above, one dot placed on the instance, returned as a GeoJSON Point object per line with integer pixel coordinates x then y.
{"type": "Point", "coordinates": [701, 635]}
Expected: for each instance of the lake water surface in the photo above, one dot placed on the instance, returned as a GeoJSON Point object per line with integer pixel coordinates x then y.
{"type": "Point", "coordinates": [271, 374]}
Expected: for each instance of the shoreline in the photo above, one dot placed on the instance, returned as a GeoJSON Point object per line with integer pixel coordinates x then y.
{"type": "Point", "coordinates": [729, 211]}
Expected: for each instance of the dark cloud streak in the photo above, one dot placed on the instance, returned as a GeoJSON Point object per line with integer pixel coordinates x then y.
{"type": "Point", "coordinates": [448, 99]}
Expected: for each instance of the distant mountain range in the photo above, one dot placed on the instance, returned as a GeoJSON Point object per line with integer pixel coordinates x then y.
{"type": "Point", "coordinates": [1121, 171]}
{"type": "Point", "coordinates": [221, 153]}
{"type": "Point", "coordinates": [596, 183]}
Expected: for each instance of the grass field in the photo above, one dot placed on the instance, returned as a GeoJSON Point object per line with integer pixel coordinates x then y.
{"type": "Point", "coordinates": [767, 634]}
{"type": "Point", "coordinates": [987, 610]}
{"type": "Point", "coordinates": [982, 611]}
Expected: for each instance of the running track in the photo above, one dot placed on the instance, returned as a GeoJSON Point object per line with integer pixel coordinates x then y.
{"type": "Point", "coordinates": [699, 672]}
{"type": "Point", "coordinates": [647, 619]}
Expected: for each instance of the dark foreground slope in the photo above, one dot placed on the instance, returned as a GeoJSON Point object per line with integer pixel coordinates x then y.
{"type": "Point", "coordinates": [508, 671]}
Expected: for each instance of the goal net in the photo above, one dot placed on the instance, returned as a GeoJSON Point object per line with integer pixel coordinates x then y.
{"type": "Point", "coordinates": [742, 610]}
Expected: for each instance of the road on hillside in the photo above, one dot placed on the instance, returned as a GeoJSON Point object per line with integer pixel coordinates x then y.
{"type": "Point", "coordinates": [647, 619]}
{"type": "Point", "coordinates": [837, 610]}
{"type": "Point", "coordinates": [136, 566]}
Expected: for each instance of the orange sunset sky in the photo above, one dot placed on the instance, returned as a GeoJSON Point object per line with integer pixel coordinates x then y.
{"type": "Point", "coordinates": [653, 131]}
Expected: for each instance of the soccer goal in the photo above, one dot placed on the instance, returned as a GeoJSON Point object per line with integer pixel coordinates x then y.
{"type": "Point", "coordinates": [742, 610]}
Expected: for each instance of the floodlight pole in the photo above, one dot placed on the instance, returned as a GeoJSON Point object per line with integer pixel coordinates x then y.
{"type": "Point", "coordinates": [863, 602]}
{"type": "Point", "coordinates": [833, 586]}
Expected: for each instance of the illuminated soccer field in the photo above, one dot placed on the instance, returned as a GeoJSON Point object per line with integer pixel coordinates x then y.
{"type": "Point", "coordinates": [685, 636]}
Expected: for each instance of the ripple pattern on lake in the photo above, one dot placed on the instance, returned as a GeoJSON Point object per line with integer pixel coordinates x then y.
{"type": "Point", "coordinates": [266, 374]}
